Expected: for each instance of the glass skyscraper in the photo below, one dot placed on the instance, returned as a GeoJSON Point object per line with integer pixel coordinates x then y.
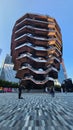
{"type": "Point", "coordinates": [62, 75]}
{"type": "Point", "coordinates": [7, 72]}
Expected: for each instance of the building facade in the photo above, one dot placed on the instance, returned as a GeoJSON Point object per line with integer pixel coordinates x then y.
{"type": "Point", "coordinates": [62, 75]}
{"type": "Point", "coordinates": [36, 49]}
{"type": "Point", "coordinates": [7, 72]}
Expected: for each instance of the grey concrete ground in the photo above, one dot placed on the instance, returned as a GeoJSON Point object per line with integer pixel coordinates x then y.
{"type": "Point", "coordinates": [36, 111]}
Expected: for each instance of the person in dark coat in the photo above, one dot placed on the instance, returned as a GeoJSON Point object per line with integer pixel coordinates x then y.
{"type": "Point", "coordinates": [52, 91]}
{"type": "Point", "coordinates": [20, 92]}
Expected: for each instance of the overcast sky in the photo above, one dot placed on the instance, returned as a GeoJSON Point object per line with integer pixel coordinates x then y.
{"type": "Point", "coordinates": [61, 10]}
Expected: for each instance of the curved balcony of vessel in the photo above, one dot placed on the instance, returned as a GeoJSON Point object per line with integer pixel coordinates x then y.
{"type": "Point", "coordinates": [20, 73]}
{"type": "Point", "coordinates": [33, 20]}
{"type": "Point", "coordinates": [39, 72]}
{"type": "Point", "coordinates": [55, 59]}
{"type": "Point", "coordinates": [58, 41]}
{"type": "Point", "coordinates": [34, 86]}
{"type": "Point", "coordinates": [38, 56]}
{"type": "Point", "coordinates": [24, 49]}
{"type": "Point", "coordinates": [31, 40]}
{"type": "Point", "coordinates": [43, 82]}
{"type": "Point", "coordinates": [17, 43]}
{"type": "Point", "coordinates": [57, 26]}
{"type": "Point", "coordinates": [34, 60]}
{"type": "Point", "coordinates": [56, 65]}
{"type": "Point", "coordinates": [37, 59]}
{"type": "Point", "coordinates": [58, 33]}
{"type": "Point", "coordinates": [27, 58]}
{"type": "Point", "coordinates": [36, 23]}
{"type": "Point", "coordinates": [54, 27]}
{"type": "Point", "coordinates": [13, 42]}
{"type": "Point", "coordinates": [39, 51]}
{"type": "Point", "coordinates": [54, 51]}
{"type": "Point", "coordinates": [22, 18]}
{"type": "Point", "coordinates": [55, 43]}
{"type": "Point", "coordinates": [39, 34]}
{"type": "Point", "coordinates": [31, 58]}
{"type": "Point", "coordinates": [22, 31]}
{"type": "Point", "coordinates": [30, 48]}
{"type": "Point", "coordinates": [53, 74]}
{"type": "Point", "coordinates": [34, 39]}
{"type": "Point", "coordinates": [31, 30]}
{"type": "Point", "coordinates": [33, 36]}
{"type": "Point", "coordinates": [36, 17]}
{"type": "Point", "coordinates": [28, 37]}
{"type": "Point", "coordinates": [32, 71]}
{"type": "Point", "coordinates": [55, 62]}
{"type": "Point", "coordinates": [40, 17]}
{"type": "Point", "coordinates": [55, 35]}
{"type": "Point", "coordinates": [38, 40]}
{"type": "Point", "coordinates": [26, 83]}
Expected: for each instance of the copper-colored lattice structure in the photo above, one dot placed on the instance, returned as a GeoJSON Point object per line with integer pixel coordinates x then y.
{"type": "Point", "coordinates": [36, 49]}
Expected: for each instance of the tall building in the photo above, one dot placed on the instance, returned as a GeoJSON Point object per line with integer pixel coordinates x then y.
{"type": "Point", "coordinates": [8, 59]}
{"type": "Point", "coordinates": [36, 49]}
{"type": "Point", "coordinates": [62, 75]}
{"type": "Point", "coordinates": [7, 72]}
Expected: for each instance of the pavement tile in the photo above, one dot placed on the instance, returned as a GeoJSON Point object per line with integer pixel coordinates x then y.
{"type": "Point", "coordinates": [36, 111]}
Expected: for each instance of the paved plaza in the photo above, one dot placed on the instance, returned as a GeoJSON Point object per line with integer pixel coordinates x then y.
{"type": "Point", "coordinates": [36, 111]}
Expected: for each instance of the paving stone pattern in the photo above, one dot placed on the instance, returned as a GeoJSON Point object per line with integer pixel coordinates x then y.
{"type": "Point", "coordinates": [36, 111]}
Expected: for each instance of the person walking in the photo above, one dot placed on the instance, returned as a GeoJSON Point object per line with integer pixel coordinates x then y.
{"type": "Point", "coordinates": [20, 92]}
{"type": "Point", "coordinates": [52, 91]}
